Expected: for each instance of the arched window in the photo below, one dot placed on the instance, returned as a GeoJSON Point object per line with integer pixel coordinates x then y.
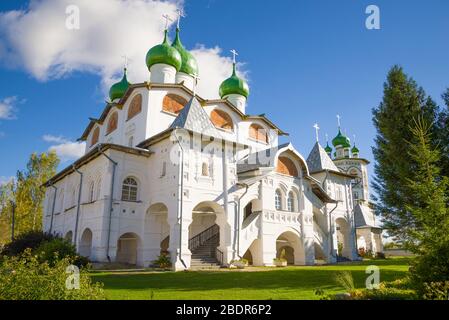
{"type": "Point", "coordinates": [164, 169]}
{"type": "Point", "coordinates": [95, 136]}
{"type": "Point", "coordinates": [112, 123]}
{"type": "Point", "coordinates": [73, 200]}
{"type": "Point", "coordinates": [173, 103]}
{"type": "Point", "coordinates": [286, 166]}
{"type": "Point", "coordinates": [61, 201]}
{"type": "Point", "coordinates": [135, 107]}
{"type": "Point", "coordinates": [205, 170]}
{"type": "Point", "coordinates": [291, 202]}
{"type": "Point", "coordinates": [221, 120]}
{"type": "Point", "coordinates": [129, 189]}
{"type": "Point", "coordinates": [258, 133]}
{"type": "Point", "coordinates": [98, 190]}
{"type": "Point", "coordinates": [278, 200]}
{"type": "Point", "coordinates": [91, 192]}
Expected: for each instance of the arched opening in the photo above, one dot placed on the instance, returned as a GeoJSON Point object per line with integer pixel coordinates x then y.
{"type": "Point", "coordinates": [127, 248]}
{"type": "Point", "coordinates": [135, 107]}
{"type": "Point", "coordinates": [157, 230]}
{"type": "Point", "coordinates": [69, 236]}
{"type": "Point", "coordinates": [259, 133]}
{"type": "Point", "coordinates": [204, 232]}
{"type": "Point", "coordinates": [289, 247]}
{"type": "Point", "coordinates": [173, 103]}
{"type": "Point", "coordinates": [112, 123]}
{"type": "Point", "coordinates": [221, 120]}
{"type": "Point", "coordinates": [286, 166]}
{"type": "Point", "coordinates": [85, 246]}
{"type": "Point", "coordinates": [343, 238]}
{"type": "Point", "coordinates": [95, 136]}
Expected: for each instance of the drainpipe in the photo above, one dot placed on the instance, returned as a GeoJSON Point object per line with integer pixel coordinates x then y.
{"type": "Point", "coordinates": [111, 200]}
{"type": "Point", "coordinates": [331, 234]}
{"type": "Point", "coordinates": [53, 208]}
{"type": "Point", "coordinates": [80, 189]}
{"type": "Point", "coordinates": [238, 217]}
{"type": "Point", "coordinates": [181, 197]}
{"type": "Point", "coordinates": [353, 221]}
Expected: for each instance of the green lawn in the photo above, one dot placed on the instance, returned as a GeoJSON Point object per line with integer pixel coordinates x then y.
{"type": "Point", "coordinates": [254, 283]}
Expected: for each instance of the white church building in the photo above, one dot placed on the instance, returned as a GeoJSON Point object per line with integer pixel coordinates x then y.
{"type": "Point", "coordinates": [166, 171]}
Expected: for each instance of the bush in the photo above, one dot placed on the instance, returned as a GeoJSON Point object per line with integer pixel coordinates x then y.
{"type": "Point", "coordinates": [163, 261]}
{"type": "Point", "coordinates": [436, 290]}
{"type": "Point", "coordinates": [24, 277]}
{"type": "Point", "coordinates": [431, 267]}
{"type": "Point", "coordinates": [57, 249]}
{"type": "Point", "coordinates": [31, 240]}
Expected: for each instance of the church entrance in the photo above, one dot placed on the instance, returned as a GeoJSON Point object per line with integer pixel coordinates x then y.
{"type": "Point", "coordinates": [85, 245]}
{"type": "Point", "coordinates": [289, 247]}
{"type": "Point", "coordinates": [127, 248]}
{"type": "Point", "coordinates": [157, 229]}
{"type": "Point", "coordinates": [204, 233]}
{"type": "Point", "coordinates": [343, 238]}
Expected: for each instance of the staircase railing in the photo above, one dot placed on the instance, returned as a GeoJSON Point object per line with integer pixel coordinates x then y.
{"type": "Point", "coordinates": [198, 240]}
{"type": "Point", "coordinates": [219, 256]}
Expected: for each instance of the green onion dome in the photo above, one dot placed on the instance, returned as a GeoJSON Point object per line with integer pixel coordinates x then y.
{"type": "Point", "coordinates": [188, 61]}
{"type": "Point", "coordinates": [234, 85]}
{"type": "Point", "coordinates": [355, 150]}
{"type": "Point", "coordinates": [164, 53]}
{"type": "Point", "coordinates": [328, 149]}
{"type": "Point", "coordinates": [341, 140]}
{"type": "Point", "coordinates": [118, 90]}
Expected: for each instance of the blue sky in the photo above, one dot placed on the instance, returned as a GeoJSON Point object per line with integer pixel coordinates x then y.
{"type": "Point", "coordinates": [306, 62]}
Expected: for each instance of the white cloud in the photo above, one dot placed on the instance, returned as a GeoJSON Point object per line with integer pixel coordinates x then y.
{"type": "Point", "coordinates": [65, 149]}
{"type": "Point", "coordinates": [37, 39]}
{"type": "Point", "coordinates": [8, 108]}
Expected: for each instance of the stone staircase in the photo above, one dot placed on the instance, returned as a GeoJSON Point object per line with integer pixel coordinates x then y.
{"type": "Point", "coordinates": [204, 250]}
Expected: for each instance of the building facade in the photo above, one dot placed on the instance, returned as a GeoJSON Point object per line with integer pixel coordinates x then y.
{"type": "Point", "coordinates": [168, 172]}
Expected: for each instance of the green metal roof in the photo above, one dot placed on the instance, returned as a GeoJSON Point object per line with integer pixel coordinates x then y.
{"type": "Point", "coordinates": [341, 140]}
{"type": "Point", "coordinates": [234, 85]}
{"type": "Point", "coordinates": [118, 90]}
{"type": "Point", "coordinates": [189, 64]}
{"type": "Point", "coordinates": [164, 53]}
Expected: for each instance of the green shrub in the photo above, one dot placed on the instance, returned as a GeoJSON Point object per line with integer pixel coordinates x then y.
{"type": "Point", "coordinates": [57, 249]}
{"type": "Point", "coordinates": [431, 267]}
{"type": "Point", "coordinates": [436, 290]}
{"type": "Point", "coordinates": [383, 293]}
{"type": "Point", "coordinates": [30, 240]}
{"type": "Point", "coordinates": [24, 277]}
{"type": "Point", "coordinates": [163, 261]}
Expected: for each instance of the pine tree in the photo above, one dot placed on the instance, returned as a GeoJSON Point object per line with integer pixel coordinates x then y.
{"type": "Point", "coordinates": [402, 102]}
{"type": "Point", "coordinates": [443, 134]}
{"type": "Point", "coordinates": [430, 237]}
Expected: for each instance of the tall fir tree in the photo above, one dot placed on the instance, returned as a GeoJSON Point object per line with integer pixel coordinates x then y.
{"type": "Point", "coordinates": [429, 240]}
{"type": "Point", "coordinates": [403, 101]}
{"type": "Point", "coordinates": [443, 134]}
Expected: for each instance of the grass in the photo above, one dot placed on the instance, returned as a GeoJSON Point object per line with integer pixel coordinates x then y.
{"type": "Point", "coordinates": [255, 283]}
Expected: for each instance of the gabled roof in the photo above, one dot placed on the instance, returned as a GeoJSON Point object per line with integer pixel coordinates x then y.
{"type": "Point", "coordinates": [318, 160]}
{"type": "Point", "coordinates": [193, 118]}
{"type": "Point", "coordinates": [91, 155]}
{"type": "Point", "coordinates": [364, 217]}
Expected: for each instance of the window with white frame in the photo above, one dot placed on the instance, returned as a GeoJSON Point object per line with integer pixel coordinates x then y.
{"type": "Point", "coordinates": [291, 202]}
{"type": "Point", "coordinates": [129, 189]}
{"type": "Point", "coordinates": [278, 200]}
